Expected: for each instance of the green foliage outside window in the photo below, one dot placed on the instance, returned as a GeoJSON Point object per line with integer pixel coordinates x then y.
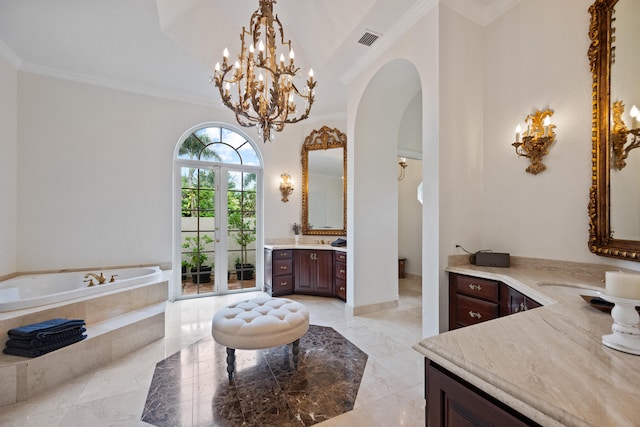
{"type": "Point", "coordinates": [242, 214]}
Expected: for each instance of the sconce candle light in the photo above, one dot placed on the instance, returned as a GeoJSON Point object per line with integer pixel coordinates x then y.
{"type": "Point", "coordinates": [536, 140]}
{"type": "Point", "coordinates": [624, 139]}
{"type": "Point", "coordinates": [286, 186]}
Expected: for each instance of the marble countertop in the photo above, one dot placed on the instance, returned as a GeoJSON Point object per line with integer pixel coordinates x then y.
{"type": "Point", "coordinates": [312, 246]}
{"type": "Point", "coordinates": [548, 363]}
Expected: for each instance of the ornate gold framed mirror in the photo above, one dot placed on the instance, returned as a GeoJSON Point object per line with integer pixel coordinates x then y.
{"type": "Point", "coordinates": [614, 202]}
{"type": "Point", "coordinates": [324, 183]}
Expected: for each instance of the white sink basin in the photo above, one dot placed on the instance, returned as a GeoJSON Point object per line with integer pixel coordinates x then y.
{"type": "Point", "coordinates": [570, 289]}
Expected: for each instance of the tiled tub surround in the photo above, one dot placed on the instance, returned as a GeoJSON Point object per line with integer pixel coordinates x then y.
{"type": "Point", "coordinates": [548, 363]}
{"type": "Point", "coordinates": [118, 322]}
{"type": "Point", "coordinates": [36, 290]}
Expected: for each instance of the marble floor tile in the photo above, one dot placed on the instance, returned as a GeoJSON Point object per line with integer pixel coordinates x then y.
{"type": "Point", "coordinates": [115, 395]}
{"type": "Point", "coordinates": [268, 388]}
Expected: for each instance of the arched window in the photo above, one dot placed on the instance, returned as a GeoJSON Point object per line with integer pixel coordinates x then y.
{"type": "Point", "coordinates": [219, 176]}
{"type": "Point", "coordinates": [218, 144]}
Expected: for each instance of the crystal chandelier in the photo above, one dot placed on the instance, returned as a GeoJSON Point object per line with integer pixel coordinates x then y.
{"type": "Point", "coordinates": [258, 87]}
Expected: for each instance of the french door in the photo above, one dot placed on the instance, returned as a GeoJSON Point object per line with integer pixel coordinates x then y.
{"type": "Point", "coordinates": [218, 228]}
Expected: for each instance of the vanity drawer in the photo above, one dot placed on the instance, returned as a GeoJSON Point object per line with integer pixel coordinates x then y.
{"type": "Point", "coordinates": [283, 254]}
{"type": "Point", "coordinates": [282, 285]}
{"type": "Point", "coordinates": [341, 289]}
{"type": "Point", "coordinates": [282, 267]}
{"type": "Point", "coordinates": [341, 270]}
{"type": "Point", "coordinates": [470, 311]}
{"type": "Point", "coordinates": [477, 288]}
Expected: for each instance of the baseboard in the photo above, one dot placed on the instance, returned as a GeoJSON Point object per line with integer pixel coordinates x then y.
{"type": "Point", "coordinates": [371, 308]}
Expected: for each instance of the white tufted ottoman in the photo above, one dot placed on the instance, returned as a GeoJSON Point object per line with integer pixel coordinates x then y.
{"type": "Point", "coordinates": [259, 323]}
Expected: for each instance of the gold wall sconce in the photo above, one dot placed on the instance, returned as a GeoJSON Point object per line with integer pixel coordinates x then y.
{"type": "Point", "coordinates": [624, 139]}
{"type": "Point", "coordinates": [403, 166]}
{"type": "Point", "coordinates": [536, 140]}
{"type": "Point", "coordinates": [286, 186]}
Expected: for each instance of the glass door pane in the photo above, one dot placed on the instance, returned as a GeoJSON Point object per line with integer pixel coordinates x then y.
{"type": "Point", "coordinates": [198, 227]}
{"type": "Point", "coordinates": [241, 229]}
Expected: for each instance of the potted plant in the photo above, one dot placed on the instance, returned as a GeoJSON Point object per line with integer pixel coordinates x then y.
{"type": "Point", "coordinates": [244, 271]}
{"type": "Point", "coordinates": [296, 228]}
{"type": "Point", "coordinates": [244, 236]}
{"type": "Point", "coordinates": [200, 273]}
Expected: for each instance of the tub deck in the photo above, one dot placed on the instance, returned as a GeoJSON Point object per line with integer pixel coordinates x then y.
{"type": "Point", "coordinates": [118, 322]}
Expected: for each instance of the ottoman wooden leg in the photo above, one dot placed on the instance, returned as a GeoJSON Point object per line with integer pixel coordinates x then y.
{"type": "Point", "coordinates": [231, 362]}
{"type": "Point", "coordinates": [295, 350]}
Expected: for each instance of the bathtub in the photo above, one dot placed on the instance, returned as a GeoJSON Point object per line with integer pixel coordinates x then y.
{"type": "Point", "coordinates": [35, 290]}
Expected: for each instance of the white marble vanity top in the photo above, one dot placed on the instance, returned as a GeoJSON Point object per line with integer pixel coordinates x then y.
{"type": "Point", "coordinates": [312, 246]}
{"type": "Point", "coordinates": [548, 363]}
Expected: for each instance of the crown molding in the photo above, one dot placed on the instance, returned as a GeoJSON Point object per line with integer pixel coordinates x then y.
{"type": "Point", "coordinates": [407, 20]}
{"type": "Point", "coordinates": [111, 84]}
{"type": "Point", "coordinates": [10, 56]}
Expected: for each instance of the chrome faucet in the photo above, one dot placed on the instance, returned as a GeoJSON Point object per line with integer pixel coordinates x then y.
{"type": "Point", "coordinates": [101, 279]}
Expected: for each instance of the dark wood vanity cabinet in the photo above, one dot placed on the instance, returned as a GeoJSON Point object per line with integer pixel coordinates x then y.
{"type": "Point", "coordinates": [305, 271]}
{"type": "Point", "coordinates": [473, 300]}
{"type": "Point", "coordinates": [313, 272]}
{"type": "Point", "coordinates": [279, 271]}
{"type": "Point", "coordinates": [340, 270]}
{"type": "Point", "coordinates": [452, 402]}
{"type": "Point", "coordinates": [512, 301]}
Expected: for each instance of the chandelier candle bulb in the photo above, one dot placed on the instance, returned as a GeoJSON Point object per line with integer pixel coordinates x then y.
{"type": "Point", "coordinates": [635, 113]}
{"type": "Point", "coordinates": [518, 131]}
{"type": "Point", "coordinates": [546, 122]}
{"type": "Point", "coordinates": [622, 285]}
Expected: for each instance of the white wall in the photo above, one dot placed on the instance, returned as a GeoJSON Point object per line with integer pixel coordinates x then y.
{"type": "Point", "coordinates": [8, 167]}
{"type": "Point", "coordinates": [537, 58]}
{"type": "Point", "coordinates": [410, 132]}
{"type": "Point", "coordinates": [460, 143]}
{"type": "Point", "coordinates": [95, 174]}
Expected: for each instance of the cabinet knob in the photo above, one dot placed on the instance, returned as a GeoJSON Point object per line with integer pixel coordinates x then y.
{"type": "Point", "coordinates": [342, 289]}
{"type": "Point", "coordinates": [475, 287]}
{"type": "Point", "coordinates": [284, 283]}
{"type": "Point", "coordinates": [283, 267]}
{"type": "Point", "coordinates": [342, 272]}
{"type": "Point", "coordinates": [475, 315]}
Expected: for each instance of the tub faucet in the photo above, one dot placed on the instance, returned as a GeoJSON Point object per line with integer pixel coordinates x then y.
{"type": "Point", "coordinates": [101, 279]}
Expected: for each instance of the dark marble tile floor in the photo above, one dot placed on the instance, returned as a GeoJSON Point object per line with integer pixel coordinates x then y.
{"type": "Point", "coordinates": [191, 387]}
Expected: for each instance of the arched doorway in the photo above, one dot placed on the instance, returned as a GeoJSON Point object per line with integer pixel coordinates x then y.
{"type": "Point", "coordinates": [217, 205]}
{"type": "Point", "coordinates": [381, 122]}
